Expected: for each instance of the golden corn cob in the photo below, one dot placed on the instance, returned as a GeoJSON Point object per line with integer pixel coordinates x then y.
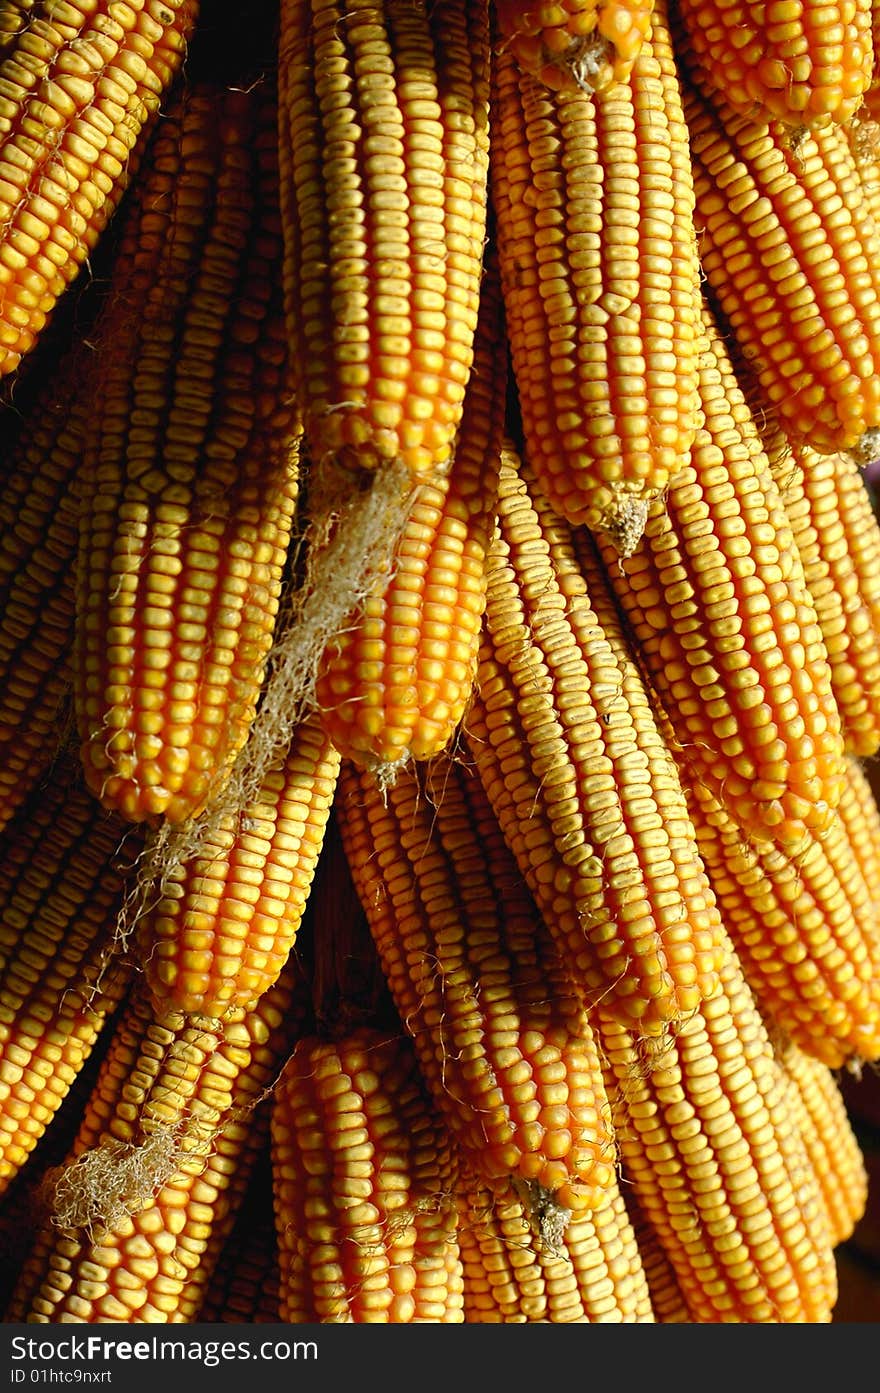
{"type": "Point", "coordinates": [829, 1138]}
{"type": "Point", "coordinates": [799, 63]}
{"type": "Point", "coordinates": [191, 466]}
{"type": "Point", "coordinates": [837, 534]}
{"type": "Point", "coordinates": [79, 83]}
{"type": "Point", "coordinates": [61, 887]}
{"type": "Point", "coordinates": [566, 741]}
{"type": "Point", "coordinates": [364, 1187]}
{"type": "Point", "coordinates": [716, 599]}
{"type": "Point", "coordinates": [590, 1273]}
{"type": "Point", "coordinates": [133, 1209]}
{"type": "Point", "coordinates": [791, 252]}
{"type": "Point", "coordinates": [804, 929]}
{"type": "Point", "coordinates": [575, 44]}
{"type": "Point", "coordinates": [503, 1043]}
{"type": "Point", "coordinates": [384, 162]}
{"type": "Point", "coordinates": [595, 214]}
{"type": "Point", "coordinates": [718, 1166]}
{"type": "Point", "coordinates": [393, 683]}
{"type": "Point", "coordinates": [227, 918]}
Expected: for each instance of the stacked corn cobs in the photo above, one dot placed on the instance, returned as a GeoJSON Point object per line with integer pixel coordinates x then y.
{"type": "Point", "coordinates": [440, 652]}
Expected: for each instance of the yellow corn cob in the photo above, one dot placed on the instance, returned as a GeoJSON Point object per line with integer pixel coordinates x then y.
{"type": "Point", "coordinates": [79, 82]}
{"type": "Point", "coordinates": [566, 741]}
{"type": "Point", "coordinates": [791, 253]}
{"type": "Point", "coordinates": [364, 1188]}
{"type": "Point", "coordinates": [799, 61]}
{"type": "Point", "coordinates": [570, 44]}
{"type": "Point", "coordinates": [61, 886]}
{"type": "Point", "coordinates": [718, 1166]}
{"type": "Point", "coordinates": [395, 680]}
{"type": "Point", "coordinates": [191, 467]}
{"type": "Point", "coordinates": [716, 599]}
{"type": "Point", "coordinates": [148, 1178]}
{"type": "Point", "coordinates": [227, 918]}
{"type": "Point", "coordinates": [594, 203]}
{"type": "Point", "coordinates": [804, 929]}
{"type": "Point", "coordinates": [503, 1043]}
{"type": "Point", "coordinates": [38, 542]}
{"type": "Point", "coordinates": [384, 162]}
{"type": "Point", "coordinates": [590, 1273]}
{"type": "Point", "coordinates": [859, 816]}
{"type": "Point", "coordinates": [829, 1138]}
{"type": "Point", "coordinates": [837, 534]}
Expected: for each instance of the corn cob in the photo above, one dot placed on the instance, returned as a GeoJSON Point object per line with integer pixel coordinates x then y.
{"type": "Point", "coordinates": [803, 927]}
{"type": "Point", "coordinates": [837, 535]}
{"type": "Point", "coordinates": [718, 1165]}
{"type": "Point", "coordinates": [716, 599]}
{"type": "Point", "coordinates": [384, 162]}
{"type": "Point", "coordinates": [191, 465]}
{"type": "Point", "coordinates": [61, 887]}
{"type": "Point", "coordinates": [829, 1138]}
{"type": "Point", "coordinates": [791, 253]}
{"type": "Point", "coordinates": [567, 745]}
{"type": "Point", "coordinates": [503, 1043]}
{"type": "Point", "coordinates": [594, 204]}
{"type": "Point", "coordinates": [800, 64]}
{"type": "Point", "coordinates": [363, 1182]}
{"type": "Point", "coordinates": [591, 1273]}
{"type": "Point", "coordinates": [394, 682]}
{"type": "Point", "coordinates": [133, 1209]}
{"type": "Point", "coordinates": [585, 44]}
{"type": "Point", "coordinates": [79, 85]}
{"type": "Point", "coordinates": [227, 919]}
